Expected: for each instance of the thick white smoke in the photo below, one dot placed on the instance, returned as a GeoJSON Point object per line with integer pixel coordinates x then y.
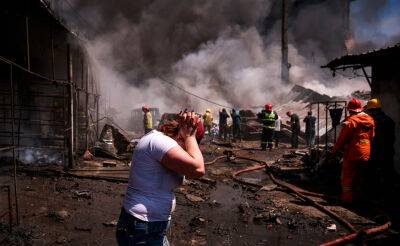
{"type": "Point", "coordinates": [215, 49]}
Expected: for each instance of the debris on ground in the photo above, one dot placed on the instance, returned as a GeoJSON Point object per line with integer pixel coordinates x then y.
{"type": "Point", "coordinates": [194, 198]}
{"type": "Point", "coordinates": [111, 223]}
{"type": "Point", "coordinates": [109, 163]}
{"type": "Point", "coordinates": [82, 194]}
{"type": "Point", "coordinates": [87, 156]}
{"type": "Point", "coordinates": [269, 187]}
{"type": "Point", "coordinates": [60, 215]}
{"type": "Point", "coordinates": [210, 209]}
{"type": "Point", "coordinates": [331, 227]}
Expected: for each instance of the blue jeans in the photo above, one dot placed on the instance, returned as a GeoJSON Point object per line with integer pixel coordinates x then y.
{"type": "Point", "coordinates": [132, 231]}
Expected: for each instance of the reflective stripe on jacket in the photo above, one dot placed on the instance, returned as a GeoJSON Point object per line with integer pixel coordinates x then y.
{"type": "Point", "coordinates": [268, 119]}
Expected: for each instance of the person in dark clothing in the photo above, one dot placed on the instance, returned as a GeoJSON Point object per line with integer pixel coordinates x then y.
{"type": "Point", "coordinates": [236, 124]}
{"type": "Point", "coordinates": [268, 118]}
{"type": "Point", "coordinates": [309, 120]}
{"type": "Point", "coordinates": [223, 126]}
{"type": "Point", "coordinates": [382, 146]}
{"type": "Point", "coordinates": [295, 127]}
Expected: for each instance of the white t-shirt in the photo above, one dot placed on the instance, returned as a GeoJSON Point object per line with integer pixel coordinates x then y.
{"type": "Point", "coordinates": [278, 124]}
{"type": "Point", "coordinates": [150, 196]}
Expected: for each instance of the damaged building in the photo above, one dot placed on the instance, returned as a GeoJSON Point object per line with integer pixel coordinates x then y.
{"type": "Point", "coordinates": [49, 95]}
{"type": "Point", "coordinates": [384, 80]}
{"type": "Point", "coordinates": [67, 168]}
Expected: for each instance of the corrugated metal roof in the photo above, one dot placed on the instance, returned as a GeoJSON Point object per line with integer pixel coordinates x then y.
{"type": "Point", "coordinates": [365, 59]}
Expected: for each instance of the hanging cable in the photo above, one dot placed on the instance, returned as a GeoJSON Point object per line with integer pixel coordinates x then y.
{"type": "Point", "coordinates": [192, 94]}
{"type": "Point", "coordinates": [32, 73]}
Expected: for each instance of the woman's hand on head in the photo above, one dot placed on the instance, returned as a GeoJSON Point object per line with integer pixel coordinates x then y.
{"type": "Point", "coordinates": [186, 159]}
{"type": "Point", "coordinates": [188, 124]}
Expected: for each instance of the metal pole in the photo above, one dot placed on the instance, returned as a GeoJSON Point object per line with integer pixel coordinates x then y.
{"type": "Point", "coordinates": [28, 59]}
{"type": "Point", "coordinates": [318, 125]}
{"type": "Point", "coordinates": [52, 51]}
{"type": "Point", "coordinates": [285, 61]}
{"type": "Point", "coordinates": [326, 127]}
{"type": "Point", "coordinates": [334, 130]}
{"type": "Point", "coordinates": [71, 110]}
{"type": "Point", "coordinates": [13, 143]}
{"type": "Point", "coordinates": [97, 116]}
{"type": "Point", "coordinates": [10, 220]}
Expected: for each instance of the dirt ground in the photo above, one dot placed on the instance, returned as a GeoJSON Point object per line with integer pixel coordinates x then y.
{"type": "Point", "coordinates": [214, 210]}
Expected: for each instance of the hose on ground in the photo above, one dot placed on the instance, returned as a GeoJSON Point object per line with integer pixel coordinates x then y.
{"type": "Point", "coordinates": [300, 193]}
{"type": "Point", "coordinates": [357, 235]}
{"type": "Point", "coordinates": [290, 188]}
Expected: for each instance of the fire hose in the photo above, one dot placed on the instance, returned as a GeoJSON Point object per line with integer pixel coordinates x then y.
{"type": "Point", "coordinates": [291, 188]}
{"type": "Point", "coordinates": [360, 234]}
{"type": "Point", "coordinates": [302, 194]}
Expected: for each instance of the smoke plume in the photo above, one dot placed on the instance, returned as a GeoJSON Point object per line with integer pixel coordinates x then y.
{"type": "Point", "coordinates": [219, 50]}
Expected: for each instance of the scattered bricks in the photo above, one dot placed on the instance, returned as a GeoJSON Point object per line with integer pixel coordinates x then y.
{"type": "Point", "coordinates": [194, 198]}
{"type": "Point", "coordinates": [270, 216]}
{"type": "Point", "coordinates": [214, 203]}
{"type": "Point", "coordinates": [289, 155]}
{"type": "Point", "coordinates": [269, 187]}
{"type": "Point", "coordinates": [59, 216]}
{"type": "Point", "coordinates": [292, 224]}
{"type": "Point", "coordinates": [262, 217]}
{"type": "Point", "coordinates": [87, 156]}
{"type": "Point", "coordinates": [83, 228]}
{"type": "Point", "coordinates": [82, 194]}
{"type": "Point", "coordinates": [61, 240]}
{"type": "Point", "coordinates": [208, 181]}
{"type": "Point", "coordinates": [111, 223]}
{"type": "Point", "coordinates": [244, 208]}
{"type": "Point", "coordinates": [197, 221]}
{"type": "Point", "coordinates": [331, 227]}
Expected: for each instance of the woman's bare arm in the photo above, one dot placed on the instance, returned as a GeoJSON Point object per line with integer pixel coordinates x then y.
{"type": "Point", "coordinates": [189, 163]}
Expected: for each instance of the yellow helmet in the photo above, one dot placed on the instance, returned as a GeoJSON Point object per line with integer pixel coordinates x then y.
{"type": "Point", "coordinates": [374, 103]}
{"type": "Point", "coordinates": [208, 110]}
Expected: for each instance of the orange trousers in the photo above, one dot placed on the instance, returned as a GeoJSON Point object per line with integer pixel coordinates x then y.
{"type": "Point", "coordinates": [354, 177]}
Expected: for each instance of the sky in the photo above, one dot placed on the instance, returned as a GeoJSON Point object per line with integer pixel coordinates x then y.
{"type": "Point", "coordinates": [380, 29]}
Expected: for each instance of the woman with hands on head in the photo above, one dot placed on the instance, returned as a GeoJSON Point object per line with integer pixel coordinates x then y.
{"type": "Point", "coordinates": [160, 161]}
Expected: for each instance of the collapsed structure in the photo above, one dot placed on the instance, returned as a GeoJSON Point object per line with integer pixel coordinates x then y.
{"type": "Point", "coordinates": [49, 96]}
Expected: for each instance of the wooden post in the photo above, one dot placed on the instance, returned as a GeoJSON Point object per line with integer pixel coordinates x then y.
{"type": "Point", "coordinates": [318, 125]}
{"type": "Point", "coordinates": [28, 59]}
{"type": "Point", "coordinates": [70, 146]}
{"type": "Point", "coordinates": [13, 143]}
{"type": "Point", "coordinates": [87, 106]}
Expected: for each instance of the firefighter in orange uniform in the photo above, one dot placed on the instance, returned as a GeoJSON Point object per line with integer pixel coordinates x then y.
{"type": "Point", "coordinates": [355, 140]}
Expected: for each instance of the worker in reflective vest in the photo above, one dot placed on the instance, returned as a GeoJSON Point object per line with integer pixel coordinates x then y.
{"type": "Point", "coordinates": [268, 118]}
{"type": "Point", "coordinates": [147, 119]}
{"type": "Point", "coordinates": [355, 139]}
{"type": "Point", "coordinates": [208, 120]}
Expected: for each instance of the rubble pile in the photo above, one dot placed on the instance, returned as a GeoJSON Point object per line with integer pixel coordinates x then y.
{"type": "Point", "coordinates": [115, 141]}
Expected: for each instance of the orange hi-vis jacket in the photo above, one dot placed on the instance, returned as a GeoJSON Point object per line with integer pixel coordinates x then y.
{"type": "Point", "coordinates": [355, 137]}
